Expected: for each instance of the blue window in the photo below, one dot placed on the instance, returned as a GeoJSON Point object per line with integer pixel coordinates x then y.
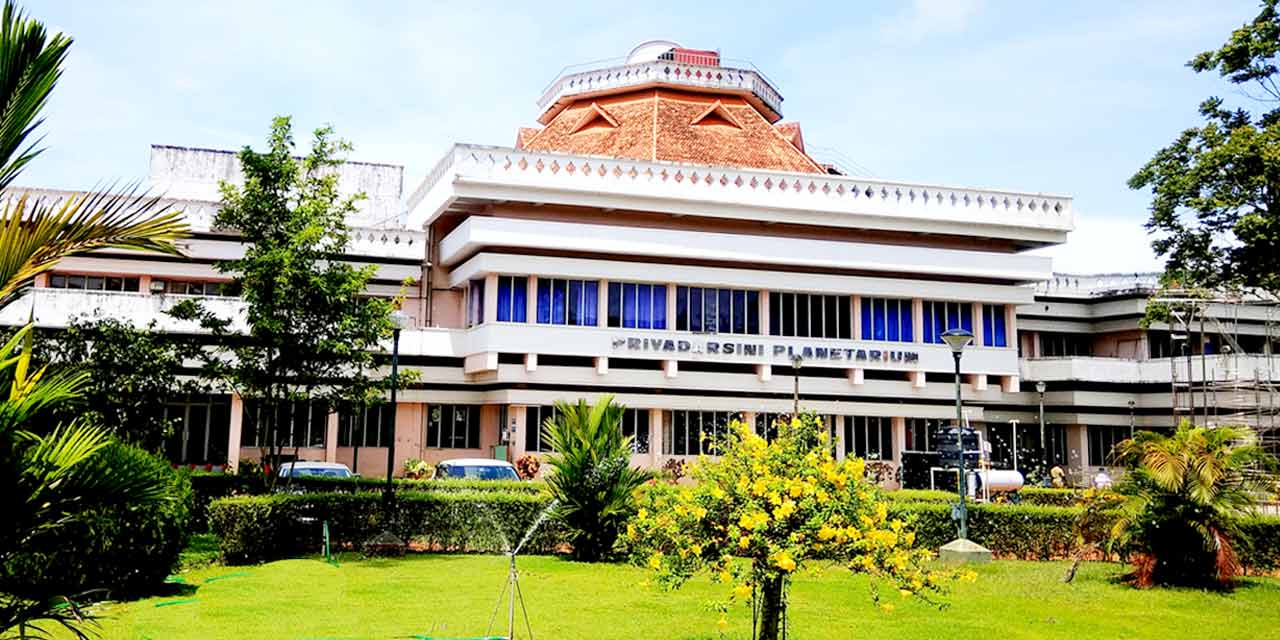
{"type": "Point", "coordinates": [939, 317]}
{"type": "Point", "coordinates": [887, 319]}
{"type": "Point", "coordinates": [637, 306]}
{"type": "Point", "coordinates": [513, 298]}
{"type": "Point", "coordinates": [709, 310]}
{"type": "Point", "coordinates": [993, 326]}
{"type": "Point", "coordinates": [809, 315]}
{"type": "Point", "coordinates": [572, 302]}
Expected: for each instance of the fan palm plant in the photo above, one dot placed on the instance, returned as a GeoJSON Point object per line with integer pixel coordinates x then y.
{"type": "Point", "coordinates": [1184, 495]}
{"type": "Point", "coordinates": [592, 478]}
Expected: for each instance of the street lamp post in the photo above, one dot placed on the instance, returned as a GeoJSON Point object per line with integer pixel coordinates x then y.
{"type": "Point", "coordinates": [1044, 446]}
{"type": "Point", "coordinates": [796, 361]}
{"type": "Point", "coordinates": [958, 339]}
{"type": "Point", "coordinates": [1131, 418]}
{"type": "Point", "coordinates": [399, 320]}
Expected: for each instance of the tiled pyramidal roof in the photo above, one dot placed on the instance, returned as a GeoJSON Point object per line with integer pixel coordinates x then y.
{"type": "Point", "coordinates": [664, 119]}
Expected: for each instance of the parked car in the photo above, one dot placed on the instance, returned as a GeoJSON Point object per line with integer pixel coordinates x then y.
{"type": "Point", "coordinates": [476, 469]}
{"type": "Point", "coordinates": [304, 468]}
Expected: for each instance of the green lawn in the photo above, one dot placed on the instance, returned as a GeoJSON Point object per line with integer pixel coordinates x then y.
{"type": "Point", "coordinates": [442, 596]}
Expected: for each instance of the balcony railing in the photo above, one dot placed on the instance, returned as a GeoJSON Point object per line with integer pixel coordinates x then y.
{"type": "Point", "coordinates": [598, 78]}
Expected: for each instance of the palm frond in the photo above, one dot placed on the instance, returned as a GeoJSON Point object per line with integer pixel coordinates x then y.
{"type": "Point", "coordinates": [35, 235]}
{"type": "Point", "coordinates": [30, 65]}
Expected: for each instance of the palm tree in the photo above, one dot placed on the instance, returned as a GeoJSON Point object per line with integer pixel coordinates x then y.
{"type": "Point", "coordinates": [592, 478]}
{"type": "Point", "coordinates": [49, 477]}
{"type": "Point", "coordinates": [1184, 496]}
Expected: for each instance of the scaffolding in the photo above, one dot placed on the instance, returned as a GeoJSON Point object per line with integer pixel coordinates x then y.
{"type": "Point", "coordinates": [1230, 386]}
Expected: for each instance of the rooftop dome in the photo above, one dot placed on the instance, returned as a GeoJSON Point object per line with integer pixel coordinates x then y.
{"type": "Point", "coordinates": [650, 50]}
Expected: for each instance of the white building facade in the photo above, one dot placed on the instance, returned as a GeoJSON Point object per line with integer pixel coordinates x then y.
{"type": "Point", "coordinates": [663, 238]}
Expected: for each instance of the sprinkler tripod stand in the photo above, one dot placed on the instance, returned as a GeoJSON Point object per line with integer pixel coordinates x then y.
{"type": "Point", "coordinates": [513, 593]}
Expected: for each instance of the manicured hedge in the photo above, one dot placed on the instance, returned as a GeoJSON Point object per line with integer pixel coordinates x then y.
{"type": "Point", "coordinates": [1009, 531]}
{"type": "Point", "coordinates": [1260, 548]}
{"type": "Point", "coordinates": [208, 487]}
{"type": "Point", "coordinates": [1050, 497]}
{"type": "Point", "coordinates": [920, 495]}
{"type": "Point", "coordinates": [263, 528]}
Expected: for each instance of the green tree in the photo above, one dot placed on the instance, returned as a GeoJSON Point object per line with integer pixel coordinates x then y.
{"type": "Point", "coordinates": [1215, 208]}
{"type": "Point", "coordinates": [781, 505]}
{"type": "Point", "coordinates": [133, 374]}
{"type": "Point", "coordinates": [311, 333]}
{"type": "Point", "coordinates": [592, 478]}
{"type": "Point", "coordinates": [1184, 495]}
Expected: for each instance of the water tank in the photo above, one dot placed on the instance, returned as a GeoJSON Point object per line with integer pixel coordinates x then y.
{"type": "Point", "coordinates": [1000, 480]}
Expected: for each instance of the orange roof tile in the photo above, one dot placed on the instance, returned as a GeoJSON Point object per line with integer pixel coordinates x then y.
{"type": "Point", "coordinates": [662, 124]}
{"type": "Point", "coordinates": [791, 131]}
{"type": "Point", "coordinates": [525, 134]}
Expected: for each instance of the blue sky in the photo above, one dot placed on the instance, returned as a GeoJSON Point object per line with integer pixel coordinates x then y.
{"type": "Point", "coordinates": [1058, 97]}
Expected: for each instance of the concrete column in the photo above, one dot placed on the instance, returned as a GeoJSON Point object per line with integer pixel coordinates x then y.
{"type": "Point", "coordinates": [516, 414]}
{"type": "Point", "coordinates": [491, 298]}
{"type": "Point", "coordinates": [671, 306]}
{"type": "Point", "coordinates": [531, 300]}
{"type": "Point", "coordinates": [602, 304]}
{"type": "Point", "coordinates": [917, 379]}
{"type": "Point", "coordinates": [857, 376]}
{"type": "Point", "coordinates": [530, 362]}
{"type": "Point", "coordinates": [1010, 384]}
{"type": "Point", "coordinates": [233, 432]}
{"type": "Point", "coordinates": [899, 426]}
{"type": "Point", "coordinates": [841, 422]}
{"type": "Point", "coordinates": [670, 368]}
{"type": "Point", "coordinates": [978, 323]}
{"type": "Point", "coordinates": [917, 320]}
{"type": "Point", "coordinates": [1078, 451]}
{"type": "Point", "coordinates": [602, 365]}
{"type": "Point", "coordinates": [331, 437]}
{"type": "Point", "coordinates": [764, 372]}
{"type": "Point", "coordinates": [1011, 326]}
{"type": "Point", "coordinates": [765, 327]}
{"type": "Point", "coordinates": [978, 381]}
{"type": "Point", "coordinates": [656, 435]}
{"type": "Point", "coordinates": [855, 304]}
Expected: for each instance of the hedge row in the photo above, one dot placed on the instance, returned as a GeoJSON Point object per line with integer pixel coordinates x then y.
{"type": "Point", "coordinates": [1037, 532]}
{"type": "Point", "coordinates": [264, 528]}
{"type": "Point", "coordinates": [208, 487]}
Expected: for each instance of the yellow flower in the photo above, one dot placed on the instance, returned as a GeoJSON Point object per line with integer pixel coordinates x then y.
{"type": "Point", "coordinates": [823, 497]}
{"type": "Point", "coordinates": [796, 490]}
{"type": "Point", "coordinates": [644, 513]}
{"type": "Point", "coordinates": [827, 532]}
{"type": "Point", "coordinates": [784, 561]}
{"type": "Point", "coordinates": [723, 624]}
{"type": "Point", "coordinates": [760, 487]}
{"type": "Point", "coordinates": [744, 542]}
{"type": "Point", "coordinates": [906, 593]}
{"type": "Point", "coordinates": [742, 591]}
{"type": "Point", "coordinates": [717, 493]}
{"type": "Point", "coordinates": [699, 512]}
{"type": "Point", "coordinates": [655, 561]}
{"type": "Point", "coordinates": [725, 576]}
{"type": "Point", "coordinates": [631, 531]}
{"type": "Point", "coordinates": [788, 507]}
{"type": "Point", "coordinates": [887, 607]}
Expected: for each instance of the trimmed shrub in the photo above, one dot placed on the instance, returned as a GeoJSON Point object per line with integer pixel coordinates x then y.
{"type": "Point", "coordinates": [1050, 497]}
{"type": "Point", "coordinates": [126, 550]}
{"type": "Point", "coordinates": [1010, 531]}
{"type": "Point", "coordinates": [1259, 548]}
{"type": "Point", "coordinates": [264, 528]}
{"type": "Point", "coordinates": [920, 495]}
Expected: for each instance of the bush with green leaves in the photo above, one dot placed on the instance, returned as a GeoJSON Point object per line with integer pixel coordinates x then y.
{"type": "Point", "coordinates": [271, 527]}
{"type": "Point", "coordinates": [591, 477]}
{"type": "Point", "coordinates": [119, 550]}
{"type": "Point", "coordinates": [1185, 496]}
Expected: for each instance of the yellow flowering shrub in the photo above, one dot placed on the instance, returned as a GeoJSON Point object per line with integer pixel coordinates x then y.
{"type": "Point", "coordinates": [765, 510]}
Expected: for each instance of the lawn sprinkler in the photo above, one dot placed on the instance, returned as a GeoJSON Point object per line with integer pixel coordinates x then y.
{"type": "Point", "coordinates": [511, 590]}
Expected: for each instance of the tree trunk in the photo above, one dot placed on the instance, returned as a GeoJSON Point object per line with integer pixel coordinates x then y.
{"type": "Point", "coordinates": [772, 608]}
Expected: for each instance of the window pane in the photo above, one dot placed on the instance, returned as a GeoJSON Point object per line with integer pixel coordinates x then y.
{"type": "Point", "coordinates": [519, 299]}
{"type": "Point", "coordinates": [682, 308]}
{"type": "Point", "coordinates": [591, 303]}
{"type": "Point", "coordinates": [864, 313]}
{"type": "Point", "coordinates": [544, 300]}
{"type": "Point", "coordinates": [753, 312]}
{"type": "Point", "coordinates": [802, 315]}
{"type": "Point", "coordinates": [504, 298]}
{"type": "Point", "coordinates": [115, 284]}
{"type": "Point", "coordinates": [629, 305]}
{"type": "Point", "coordinates": [830, 317]}
{"type": "Point", "coordinates": [644, 306]}
{"type": "Point", "coordinates": [695, 309]}
{"type": "Point", "coordinates": [816, 316]}
{"type": "Point", "coordinates": [615, 304]}
{"type": "Point", "coordinates": [659, 316]}
{"type": "Point", "coordinates": [846, 326]}
{"type": "Point", "coordinates": [775, 313]}
{"type": "Point", "coordinates": [725, 308]}
{"type": "Point", "coordinates": [788, 305]}
{"type": "Point", "coordinates": [75, 282]}
{"type": "Point", "coordinates": [559, 290]}
{"type": "Point", "coordinates": [907, 329]}
{"type": "Point", "coordinates": [574, 306]}
{"type": "Point", "coordinates": [739, 311]}
{"type": "Point", "coordinates": [58, 281]}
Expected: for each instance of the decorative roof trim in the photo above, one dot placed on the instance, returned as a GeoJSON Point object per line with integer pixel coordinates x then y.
{"type": "Point", "coordinates": [596, 112]}
{"type": "Point", "coordinates": [717, 109]}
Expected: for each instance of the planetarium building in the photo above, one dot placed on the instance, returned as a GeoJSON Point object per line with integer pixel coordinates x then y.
{"type": "Point", "coordinates": [664, 236]}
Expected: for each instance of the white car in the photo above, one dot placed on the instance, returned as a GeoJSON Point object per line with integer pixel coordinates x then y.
{"type": "Point", "coordinates": [476, 469]}
{"type": "Point", "coordinates": [304, 468]}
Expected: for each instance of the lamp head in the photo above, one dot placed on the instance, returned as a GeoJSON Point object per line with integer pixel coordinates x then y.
{"type": "Point", "coordinates": [1041, 386]}
{"type": "Point", "coordinates": [399, 320]}
{"type": "Point", "coordinates": [957, 339]}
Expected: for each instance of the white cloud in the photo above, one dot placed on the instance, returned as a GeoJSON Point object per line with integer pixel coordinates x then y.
{"type": "Point", "coordinates": [1104, 245]}
{"type": "Point", "coordinates": [930, 17]}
